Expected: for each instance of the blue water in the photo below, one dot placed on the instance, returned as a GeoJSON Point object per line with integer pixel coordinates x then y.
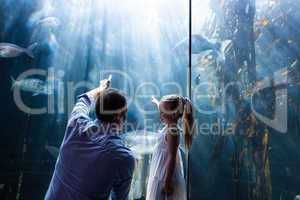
{"type": "Point", "coordinates": [144, 46]}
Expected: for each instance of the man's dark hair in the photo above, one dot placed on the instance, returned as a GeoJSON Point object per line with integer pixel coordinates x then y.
{"type": "Point", "coordinates": [109, 103]}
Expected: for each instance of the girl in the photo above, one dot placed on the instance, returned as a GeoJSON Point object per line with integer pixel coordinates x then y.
{"type": "Point", "coordinates": [166, 179]}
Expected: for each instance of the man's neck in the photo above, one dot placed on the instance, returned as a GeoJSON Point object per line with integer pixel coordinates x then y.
{"type": "Point", "coordinates": [109, 128]}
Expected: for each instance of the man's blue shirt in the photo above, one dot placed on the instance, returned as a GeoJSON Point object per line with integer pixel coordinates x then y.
{"type": "Point", "coordinates": [93, 161]}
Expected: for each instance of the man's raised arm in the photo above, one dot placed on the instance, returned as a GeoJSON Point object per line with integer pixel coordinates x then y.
{"type": "Point", "coordinates": [79, 117]}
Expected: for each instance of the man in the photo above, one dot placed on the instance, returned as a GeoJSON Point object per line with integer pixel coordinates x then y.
{"type": "Point", "coordinates": [93, 163]}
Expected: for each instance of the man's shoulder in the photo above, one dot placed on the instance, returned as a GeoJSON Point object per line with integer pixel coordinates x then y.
{"type": "Point", "coordinates": [120, 151]}
{"type": "Point", "coordinates": [123, 158]}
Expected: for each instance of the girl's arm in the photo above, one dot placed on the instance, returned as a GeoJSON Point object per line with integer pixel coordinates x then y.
{"type": "Point", "coordinates": [172, 140]}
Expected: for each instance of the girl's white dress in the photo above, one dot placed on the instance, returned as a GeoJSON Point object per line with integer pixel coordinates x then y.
{"type": "Point", "coordinates": [158, 171]}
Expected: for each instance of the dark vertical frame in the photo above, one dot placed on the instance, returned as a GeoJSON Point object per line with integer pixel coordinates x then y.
{"type": "Point", "coordinates": [189, 91]}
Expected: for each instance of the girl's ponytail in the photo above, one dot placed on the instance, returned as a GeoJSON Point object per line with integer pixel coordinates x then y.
{"type": "Point", "coordinates": [188, 123]}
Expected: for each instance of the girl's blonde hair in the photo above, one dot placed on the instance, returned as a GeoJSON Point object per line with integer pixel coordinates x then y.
{"type": "Point", "coordinates": [184, 108]}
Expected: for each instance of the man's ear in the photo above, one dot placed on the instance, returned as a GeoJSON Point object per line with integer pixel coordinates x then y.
{"type": "Point", "coordinates": [175, 116]}
{"type": "Point", "coordinates": [118, 118]}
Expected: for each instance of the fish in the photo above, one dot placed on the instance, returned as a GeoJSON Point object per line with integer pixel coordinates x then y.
{"type": "Point", "coordinates": [8, 50]}
{"type": "Point", "coordinates": [262, 22]}
{"type": "Point", "coordinates": [294, 64]}
{"type": "Point", "coordinates": [297, 197]}
{"type": "Point", "coordinates": [54, 151]}
{"type": "Point", "coordinates": [33, 85]}
{"type": "Point", "coordinates": [200, 44]}
{"type": "Point", "coordinates": [50, 22]}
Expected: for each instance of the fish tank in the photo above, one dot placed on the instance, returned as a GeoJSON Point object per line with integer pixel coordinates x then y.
{"type": "Point", "coordinates": [237, 60]}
